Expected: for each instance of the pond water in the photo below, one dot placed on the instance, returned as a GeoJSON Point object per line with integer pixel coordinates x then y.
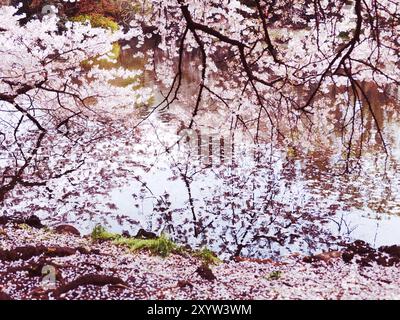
{"type": "Point", "coordinates": [214, 186]}
{"type": "Point", "coordinates": [239, 198]}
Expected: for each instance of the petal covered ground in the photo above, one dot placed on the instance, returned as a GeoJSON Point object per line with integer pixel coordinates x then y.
{"type": "Point", "coordinates": [43, 264]}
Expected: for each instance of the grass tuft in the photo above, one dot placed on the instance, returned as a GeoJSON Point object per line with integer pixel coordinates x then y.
{"type": "Point", "coordinates": [161, 246]}
{"type": "Point", "coordinates": [207, 256]}
{"type": "Point", "coordinates": [100, 233]}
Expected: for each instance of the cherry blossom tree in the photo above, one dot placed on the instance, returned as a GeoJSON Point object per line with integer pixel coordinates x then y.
{"type": "Point", "coordinates": [56, 102]}
{"type": "Point", "coordinates": [271, 60]}
{"type": "Point", "coordinates": [293, 73]}
{"type": "Point", "coordinates": [273, 63]}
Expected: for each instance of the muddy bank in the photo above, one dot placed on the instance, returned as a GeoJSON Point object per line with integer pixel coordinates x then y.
{"type": "Point", "coordinates": [37, 262]}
